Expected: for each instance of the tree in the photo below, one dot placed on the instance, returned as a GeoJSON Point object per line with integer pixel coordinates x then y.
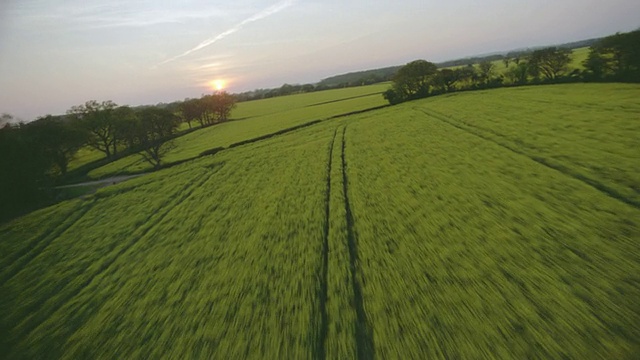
{"type": "Point", "coordinates": [551, 62]}
{"type": "Point", "coordinates": [58, 139]}
{"type": "Point", "coordinates": [223, 104]}
{"type": "Point", "coordinates": [597, 65]}
{"type": "Point", "coordinates": [209, 109]}
{"type": "Point", "coordinates": [287, 89]}
{"type": "Point", "coordinates": [180, 114]}
{"type": "Point", "coordinates": [486, 70]}
{"type": "Point", "coordinates": [193, 110]}
{"type": "Point", "coordinates": [517, 59]}
{"type": "Point", "coordinates": [616, 57]}
{"type": "Point", "coordinates": [24, 166]}
{"type": "Point", "coordinates": [445, 79]}
{"type": "Point", "coordinates": [98, 121]}
{"type": "Point", "coordinates": [518, 74]}
{"type": "Point", "coordinates": [124, 119]}
{"type": "Point", "coordinates": [506, 61]}
{"type": "Point", "coordinates": [413, 80]}
{"type": "Point", "coordinates": [467, 74]}
{"type": "Point", "coordinates": [125, 125]}
{"type": "Point", "coordinates": [152, 133]}
{"type": "Point", "coordinates": [392, 96]}
{"type": "Point", "coordinates": [308, 88]}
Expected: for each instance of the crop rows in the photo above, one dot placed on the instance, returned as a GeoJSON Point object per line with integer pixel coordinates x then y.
{"type": "Point", "coordinates": [417, 231]}
{"type": "Point", "coordinates": [257, 118]}
{"type": "Point", "coordinates": [574, 135]}
{"type": "Point", "coordinates": [470, 250]}
{"type": "Point", "coordinates": [185, 262]}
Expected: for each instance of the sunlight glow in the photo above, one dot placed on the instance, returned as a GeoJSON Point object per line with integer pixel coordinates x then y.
{"type": "Point", "coordinates": [217, 84]}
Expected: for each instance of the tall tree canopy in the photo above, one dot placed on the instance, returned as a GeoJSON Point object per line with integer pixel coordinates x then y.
{"type": "Point", "coordinates": [413, 79]}
{"type": "Point", "coordinates": [209, 109]}
{"type": "Point", "coordinates": [25, 167]}
{"type": "Point", "coordinates": [551, 62]}
{"type": "Point", "coordinates": [100, 123]}
{"type": "Point", "coordinates": [58, 139]}
{"type": "Point", "coordinates": [615, 57]}
{"type": "Point", "coordinates": [151, 132]}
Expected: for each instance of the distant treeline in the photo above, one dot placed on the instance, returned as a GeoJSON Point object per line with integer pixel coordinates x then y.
{"type": "Point", "coordinates": [374, 76]}
{"type": "Point", "coordinates": [290, 89]}
{"type": "Point", "coordinates": [515, 54]}
{"type": "Point", "coordinates": [614, 58]}
{"type": "Point", "coordinates": [36, 155]}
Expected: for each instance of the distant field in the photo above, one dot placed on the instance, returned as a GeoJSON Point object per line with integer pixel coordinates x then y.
{"type": "Point", "coordinates": [577, 58]}
{"type": "Point", "coordinates": [257, 118]}
{"type": "Point", "coordinates": [500, 223]}
{"type": "Point", "coordinates": [85, 156]}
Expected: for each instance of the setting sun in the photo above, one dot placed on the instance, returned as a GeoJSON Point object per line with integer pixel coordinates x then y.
{"type": "Point", "coordinates": [217, 84]}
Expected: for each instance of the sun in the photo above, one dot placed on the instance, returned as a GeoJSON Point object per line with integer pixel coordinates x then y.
{"type": "Point", "coordinates": [217, 84]}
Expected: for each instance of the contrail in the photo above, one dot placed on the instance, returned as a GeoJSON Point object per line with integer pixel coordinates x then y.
{"type": "Point", "coordinates": [276, 8]}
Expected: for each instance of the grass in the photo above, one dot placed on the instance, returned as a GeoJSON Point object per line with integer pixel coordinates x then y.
{"type": "Point", "coordinates": [578, 56]}
{"type": "Point", "coordinates": [471, 250]}
{"type": "Point", "coordinates": [213, 281]}
{"type": "Point", "coordinates": [459, 226]}
{"type": "Point", "coordinates": [84, 156]}
{"type": "Point", "coordinates": [574, 135]}
{"type": "Point", "coordinates": [258, 118]}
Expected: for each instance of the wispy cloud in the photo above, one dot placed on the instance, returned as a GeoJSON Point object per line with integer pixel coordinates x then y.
{"type": "Point", "coordinates": [274, 9]}
{"type": "Point", "coordinates": [100, 14]}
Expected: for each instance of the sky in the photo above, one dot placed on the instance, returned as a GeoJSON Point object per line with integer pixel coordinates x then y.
{"type": "Point", "coordinates": [55, 54]}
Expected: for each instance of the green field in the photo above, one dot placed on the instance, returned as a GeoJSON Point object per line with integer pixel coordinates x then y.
{"type": "Point", "coordinates": [487, 224]}
{"type": "Point", "coordinates": [250, 119]}
{"type": "Point", "coordinates": [578, 56]}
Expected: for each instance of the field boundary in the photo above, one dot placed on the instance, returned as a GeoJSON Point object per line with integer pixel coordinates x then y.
{"type": "Point", "coordinates": [344, 99]}
{"type": "Point", "coordinates": [580, 106]}
{"type": "Point", "coordinates": [364, 333]}
{"type": "Point", "coordinates": [218, 149]}
{"type": "Point", "coordinates": [604, 189]}
{"type": "Point", "coordinates": [270, 135]}
{"type": "Point", "coordinates": [294, 128]}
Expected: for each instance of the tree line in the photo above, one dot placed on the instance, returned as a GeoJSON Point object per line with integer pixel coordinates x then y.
{"type": "Point", "coordinates": [337, 82]}
{"type": "Point", "coordinates": [36, 154]}
{"type": "Point", "coordinates": [613, 58]}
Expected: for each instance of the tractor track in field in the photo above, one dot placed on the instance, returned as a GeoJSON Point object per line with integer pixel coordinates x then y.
{"type": "Point", "coordinates": [364, 332]}
{"type": "Point", "coordinates": [38, 245]}
{"type": "Point", "coordinates": [598, 107]}
{"type": "Point", "coordinates": [345, 99]}
{"type": "Point", "coordinates": [33, 322]}
{"type": "Point", "coordinates": [604, 189]}
{"type": "Point", "coordinates": [324, 321]}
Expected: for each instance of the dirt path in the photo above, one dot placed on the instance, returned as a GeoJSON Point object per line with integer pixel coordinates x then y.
{"type": "Point", "coordinates": [103, 182]}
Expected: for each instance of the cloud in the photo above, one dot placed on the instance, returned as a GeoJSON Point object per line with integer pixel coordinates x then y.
{"type": "Point", "coordinates": [100, 14]}
{"type": "Point", "coordinates": [274, 9]}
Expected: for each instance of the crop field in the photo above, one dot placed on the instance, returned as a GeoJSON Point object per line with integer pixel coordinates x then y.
{"type": "Point", "coordinates": [578, 56]}
{"type": "Point", "coordinates": [284, 103]}
{"type": "Point", "coordinates": [574, 136]}
{"type": "Point", "coordinates": [469, 249]}
{"type": "Point", "coordinates": [85, 156]}
{"type": "Point", "coordinates": [177, 253]}
{"type": "Point", "coordinates": [490, 224]}
{"type": "Point", "coordinates": [251, 119]}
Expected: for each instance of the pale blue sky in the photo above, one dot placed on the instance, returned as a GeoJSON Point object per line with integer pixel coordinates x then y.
{"type": "Point", "coordinates": [58, 53]}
